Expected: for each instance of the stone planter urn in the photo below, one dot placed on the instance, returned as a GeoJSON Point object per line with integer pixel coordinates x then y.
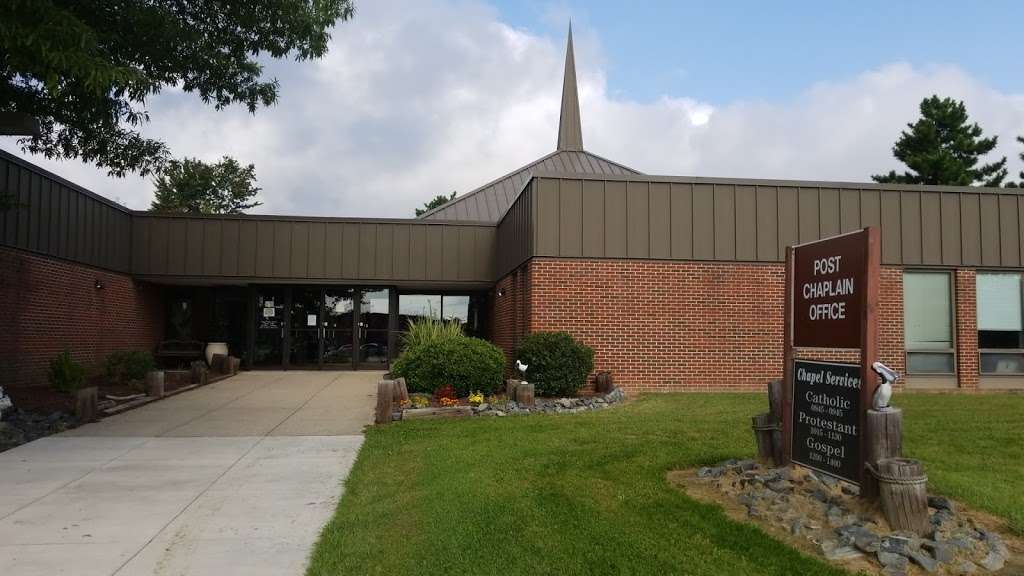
{"type": "Point", "coordinates": [215, 348]}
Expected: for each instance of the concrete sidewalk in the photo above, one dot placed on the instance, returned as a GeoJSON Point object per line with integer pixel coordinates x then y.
{"type": "Point", "coordinates": [236, 477]}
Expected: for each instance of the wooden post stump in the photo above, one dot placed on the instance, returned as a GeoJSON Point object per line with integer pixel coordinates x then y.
{"type": "Point", "coordinates": [155, 383]}
{"type": "Point", "coordinates": [86, 400]}
{"type": "Point", "coordinates": [603, 383]}
{"type": "Point", "coordinates": [769, 444]}
{"type": "Point", "coordinates": [524, 394]}
{"type": "Point", "coordinates": [219, 363]}
{"type": "Point", "coordinates": [775, 398]}
{"type": "Point", "coordinates": [401, 391]}
{"type": "Point", "coordinates": [234, 364]}
{"type": "Point", "coordinates": [902, 488]}
{"type": "Point", "coordinates": [385, 399]}
{"type": "Point", "coordinates": [510, 388]}
{"type": "Point", "coordinates": [884, 440]}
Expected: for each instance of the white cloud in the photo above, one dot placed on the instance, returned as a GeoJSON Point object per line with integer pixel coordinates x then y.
{"type": "Point", "coordinates": [417, 99]}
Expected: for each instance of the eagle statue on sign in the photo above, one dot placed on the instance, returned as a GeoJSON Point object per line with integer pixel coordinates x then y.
{"type": "Point", "coordinates": [884, 392]}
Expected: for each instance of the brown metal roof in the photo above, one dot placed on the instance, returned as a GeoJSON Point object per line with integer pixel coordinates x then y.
{"type": "Point", "coordinates": [489, 202]}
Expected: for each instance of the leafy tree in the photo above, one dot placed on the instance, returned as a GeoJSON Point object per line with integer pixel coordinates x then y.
{"type": "Point", "coordinates": [439, 200]}
{"type": "Point", "coordinates": [943, 148]}
{"type": "Point", "coordinates": [197, 187]}
{"type": "Point", "coordinates": [84, 68]}
{"type": "Point", "coordinates": [1021, 174]}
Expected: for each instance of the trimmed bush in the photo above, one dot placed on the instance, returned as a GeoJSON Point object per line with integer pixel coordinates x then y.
{"type": "Point", "coordinates": [450, 358]}
{"type": "Point", "coordinates": [558, 364]}
{"type": "Point", "coordinates": [66, 374]}
{"type": "Point", "coordinates": [129, 366]}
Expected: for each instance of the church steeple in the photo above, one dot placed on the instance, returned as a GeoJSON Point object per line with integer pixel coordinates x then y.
{"type": "Point", "coordinates": [570, 133]}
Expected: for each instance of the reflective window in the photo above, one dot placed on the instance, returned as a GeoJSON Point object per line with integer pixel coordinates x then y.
{"type": "Point", "coordinates": [928, 322]}
{"type": "Point", "coordinates": [1000, 333]}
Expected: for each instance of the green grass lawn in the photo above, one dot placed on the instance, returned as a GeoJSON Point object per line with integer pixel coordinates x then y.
{"type": "Point", "coordinates": [586, 493]}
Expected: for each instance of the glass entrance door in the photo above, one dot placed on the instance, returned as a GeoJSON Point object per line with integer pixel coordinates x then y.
{"type": "Point", "coordinates": [338, 333]}
{"type": "Point", "coordinates": [268, 347]}
{"type": "Point", "coordinates": [304, 345]}
{"type": "Point", "coordinates": [373, 328]}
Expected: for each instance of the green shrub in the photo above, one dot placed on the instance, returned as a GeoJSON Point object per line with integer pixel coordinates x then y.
{"type": "Point", "coordinates": [557, 364]}
{"type": "Point", "coordinates": [431, 330]}
{"type": "Point", "coordinates": [65, 374]}
{"type": "Point", "coordinates": [436, 357]}
{"type": "Point", "coordinates": [128, 366]}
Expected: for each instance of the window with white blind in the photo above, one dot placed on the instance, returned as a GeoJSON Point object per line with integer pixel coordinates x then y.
{"type": "Point", "coordinates": [1000, 321]}
{"type": "Point", "coordinates": [928, 322]}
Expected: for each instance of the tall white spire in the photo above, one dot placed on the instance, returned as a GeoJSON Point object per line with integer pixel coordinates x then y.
{"type": "Point", "coordinates": [570, 132]}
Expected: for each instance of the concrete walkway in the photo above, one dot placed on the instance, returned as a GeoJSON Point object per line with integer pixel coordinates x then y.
{"type": "Point", "coordinates": [237, 477]}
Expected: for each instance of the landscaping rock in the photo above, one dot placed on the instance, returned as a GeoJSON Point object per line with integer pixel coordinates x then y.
{"type": "Point", "coordinates": [10, 436]}
{"type": "Point", "coordinates": [924, 560]}
{"type": "Point", "coordinates": [993, 561]}
{"type": "Point", "coordinates": [941, 503]}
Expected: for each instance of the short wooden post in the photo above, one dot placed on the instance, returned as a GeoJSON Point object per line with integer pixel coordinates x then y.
{"type": "Point", "coordinates": [234, 364]}
{"type": "Point", "coordinates": [385, 399]}
{"type": "Point", "coordinates": [775, 399]}
{"type": "Point", "coordinates": [603, 383]}
{"type": "Point", "coordinates": [902, 488]}
{"type": "Point", "coordinates": [219, 363]}
{"type": "Point", "coordinates": [524, 394]}
{"type": "Point", "coordinates": [401, 390]}
{"type": "Point", "coordinates": [510, 388]}
{"type": "Point", "coordinates": [86, 400]}
{"type": "Point", "coordinates": [884, 440]}
{"type": "Point", "coordinates": [155, 383]}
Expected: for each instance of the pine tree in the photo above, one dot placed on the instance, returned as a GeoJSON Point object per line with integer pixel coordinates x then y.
{"type": "Point", "coordinates": [942, 147]}
{"type": "Point", "coordinates": [1021, 174]}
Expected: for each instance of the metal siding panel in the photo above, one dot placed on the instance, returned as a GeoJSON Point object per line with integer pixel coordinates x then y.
{"type": "Point", "coordinates": [849, 210]}
{"type": "Point", "coordinates": [317, 243]}
{"type": "Point", "coordinates": [334, 248]}
{"type": "Point", "coordinates": [176, 245]}
{"type": "Point", "coordinates": [746, 223]}
{"type": "Point", "coordinates": [547, 218]}
{"type": "Point", "coordinates": [54, 217]}
{"type": "Point", "coordinates": [949, 208]}
{"type": "Point", "coordinates": [989, 230]}
{"type": "Point", "coordinates": [299, 257]}
{"type": "Point", "coordinates": [35, 213]}
{"type": "Point", "coordinates": [140, 246]}
{"type": "Point", "coordinates": [725, 222]}
{"type": "Point", "coordinates": [466, 253]}
{"type": "Point", "coordinates": [400, 252]}
{"type": "Point", "coordinates": [349, 251]}
{"type": "Point", "coordinates": [767, 223]}
{"type": "Point", "coordinates": [282, 249]}
{"type": "Point", "coordinates": [570, 213]}
{"type": "Point", "coordinates": [418, 252]}
{"type": "Point", "coordinates": [159, 242]}
{"type": "Point", "coordinates": [264, 248]}
{"type": "Point", "coordinates": [385, 267]}
{"type": "Point", "coordinates": [1020, 220]}
{"type": "Point", "coordinates": [593, 218]}
{"type": "Point", "coordinates": [450, 266]}
{"type": "Point", "coordinates": [789, 218]}
{"type": "Point", "coordinates": [638, 236]}
{"type": "Point", "coordinates": [810, 215]}
{"type": "Point", "coordinates": [63, 221]}
{"type": "Point", "coordinates": [247, 248]}
{"type": "Point", "coordinates": [660, 220]}
{"type": "Point", "coordinates": [615, 219]}
{"type": "Point", "coordinates": [1009, 231]}
{"type": "Point", "coordinates": [484, 254]}
{"type": "Point", "coordinates": [25, 211]}
{"type": "Point", "coordinates": [682, 220]}
{"type": "Point", "coordinates": [870, 209]}
{"type": "Point", "coordinates": [194, 248]}
{"type": "Point", "coordinates": [212, 236]}
{"type": "Point", "coordinates": [891, 230]}
{"type": "Point", "coordinates": [931, 229]}
{"type": "Point", "coordinates": [828, 210]}
{"type": "Point", "coordinates": [910, 226]}
{"type": "Point", "coordinates": [435, 252]}
{"type": "Point", "coordinates": [229, 247]}
{"type": "Point", "coordinates": [970, 229]}
{"type": "Point", "coordinates": [367, 250]}
{"type": "Point", "coordinates": [703, 221]}
{"type": "Point", "coordinates": [5, 170]}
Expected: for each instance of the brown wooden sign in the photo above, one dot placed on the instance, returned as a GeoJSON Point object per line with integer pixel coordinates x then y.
{"type": "Point", "coordinates": [829, 280]}
{"type": "Point", "coordinates": [831, 302]}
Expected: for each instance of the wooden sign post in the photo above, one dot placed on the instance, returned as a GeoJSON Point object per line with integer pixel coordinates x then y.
{"type": "Point", "coordinates": [831, 303]}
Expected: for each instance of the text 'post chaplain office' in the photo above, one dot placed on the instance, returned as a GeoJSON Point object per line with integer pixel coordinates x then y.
{"type": "Point", "coordinates": [828, 297]}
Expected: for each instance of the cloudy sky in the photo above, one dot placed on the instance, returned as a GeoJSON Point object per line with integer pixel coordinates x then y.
{"type": "Point", "coordinates": [419, 98]}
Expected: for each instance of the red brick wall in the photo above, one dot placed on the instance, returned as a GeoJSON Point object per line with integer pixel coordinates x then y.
{"type": "Point", "coordinates": [48, 304]}
{"type": "Point", "coordinates": [660, 326]}
{"type": "Point", "coordinates": [966, 329]}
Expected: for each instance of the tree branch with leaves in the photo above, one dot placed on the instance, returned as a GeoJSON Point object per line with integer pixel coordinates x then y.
{"type": "Point", "coordinates": [438, 201]}
{"type": "Point", "coordinates": [195, 187]}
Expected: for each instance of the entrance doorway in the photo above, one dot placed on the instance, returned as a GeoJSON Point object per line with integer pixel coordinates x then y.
{"type": "Point", "coordinates": [323, 327]}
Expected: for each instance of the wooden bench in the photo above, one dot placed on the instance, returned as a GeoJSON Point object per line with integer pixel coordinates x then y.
{"type": "Point", "coordinates": [180, 352]}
